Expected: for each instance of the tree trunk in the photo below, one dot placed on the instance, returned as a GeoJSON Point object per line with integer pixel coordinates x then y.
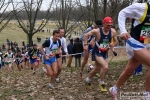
{"type": "Point", "coordinates": [30, 39]}
{"type": "Point", "coordinates": [105, 7]}
{"type": "Point", "coordinates": [95, 6]}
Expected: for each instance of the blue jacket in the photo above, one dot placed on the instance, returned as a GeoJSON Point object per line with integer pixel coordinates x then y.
{"type": "Point", "coordinates": [70, 48]}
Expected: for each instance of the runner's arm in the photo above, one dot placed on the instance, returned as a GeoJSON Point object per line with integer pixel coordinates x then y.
{"type": "Point", "coordinates": [135, 11]}
{"type": "Point", "coordinates": [45, 44]}
{"type": "Point", "coordinates": [90, 33]}
{"type": "Point", "coordinates": [64, 45]}
{"type": "Point", "coordinates": [114, 37]}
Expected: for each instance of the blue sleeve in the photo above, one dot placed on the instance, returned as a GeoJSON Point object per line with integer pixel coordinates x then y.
{"type": "Point", "coordinates": [59, 43]}
{"type": "Point", "coordinates": [46, 43]}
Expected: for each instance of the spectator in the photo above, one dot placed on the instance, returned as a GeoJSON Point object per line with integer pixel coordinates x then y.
{"type": "Point", "coordinates": [8, 43]}
{"type": "Point", "coordinates": [70, 51]}
{"type": "Point", "coordinates": [77, 48]}
{"type": "Point", "coordinates": [3, 47]}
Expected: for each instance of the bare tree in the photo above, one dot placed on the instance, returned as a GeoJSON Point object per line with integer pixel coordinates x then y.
{"type": "Point", "coordinates": [65, 15]}
{"type": "Point", "coordinates": [4, 17]}
{"type": "Point", "coordinates": [32, 10]}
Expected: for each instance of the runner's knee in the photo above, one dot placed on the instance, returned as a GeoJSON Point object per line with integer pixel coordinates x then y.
{"type": "Point", "coordinates": [128, 73]}
{"type": "Point", "coordinates": [50, 74]}
{"type": "Point", "coordinates": [105, 67]}
{"type": "Point", "coordinates": [55, 73]}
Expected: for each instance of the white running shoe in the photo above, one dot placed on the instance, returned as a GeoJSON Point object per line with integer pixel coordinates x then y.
{"type": "Point", "coordinates": [51, 86]}
{"type": "Point", "coordinates": [139, 73]}
{"type": "Point", "coordinates": [114, 92]}
{"type": "Point", "coordinates": [57, 80]}
{"type": "Point", "coordinates": [147, 95]}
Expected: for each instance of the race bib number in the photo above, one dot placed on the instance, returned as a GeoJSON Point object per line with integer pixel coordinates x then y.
{"type": "Point", "coordinates": [145, 32]}
{"type": "Point", "coordinates": [52, 51]}
{"type": "Point", "coordinates": [104, 45]}
{"type": "Point", "coordinates": [35, 54]}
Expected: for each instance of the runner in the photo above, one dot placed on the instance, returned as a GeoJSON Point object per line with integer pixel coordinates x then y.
{"type": "Point", "coordinates": [103, 36]}
{"type": "Point", "coordinates": [19, 59]}
{"type": "Point", "coordinates": [8, 60]}
{"type": "Point", "coordinates": [26, 59]}
{"type": "Point", "coordinates": [52, 47]}
{"type": "Point", "coordinates": [58, 57]}
{"type": "Point", "coordinates": [136, 44]}
{"type": "Point", "coordinates": [34, 53]}
{"type": "Point", "coordinates": [91, 42]}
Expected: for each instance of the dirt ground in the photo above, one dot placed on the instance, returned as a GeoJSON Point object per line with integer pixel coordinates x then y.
{"type": "Point", "coordinates": [22, 85]}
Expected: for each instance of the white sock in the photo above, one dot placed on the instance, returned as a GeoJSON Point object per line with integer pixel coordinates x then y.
{"type": "Point", "coordinates": [44, 69]}
{"type": "Point", "coordinates": [88, 80]}
{"type": "Point", "coordinates": [57, 78]}
{"type": "Point", "coordinates": [50, 84]}
{"type": "Point", "coordinates": [115, 88]}
{"type": "Point", "coordinates": [101, 82]}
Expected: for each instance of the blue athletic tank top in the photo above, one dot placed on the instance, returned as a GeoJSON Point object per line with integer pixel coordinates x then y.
{"type": "Point", "coordinates": [104, 41]}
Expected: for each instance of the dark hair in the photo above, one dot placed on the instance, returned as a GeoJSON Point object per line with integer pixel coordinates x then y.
{"type": "Point", "coordinates": [18, 50]}
{"type": "Point", "coordinates": [98, 22]}
{"type": "Point", "coordinates": [9, 49]}
{"type": "Point", "coordinates": [34, 44]}
{"type": "Point", "coordinates": [71, 40]}
{"type": "Point", "coordinates": [77, 39]}
{"type": "Point", "coordinates": [60, 28]}
{"type": "Point", "coordinates": [55, 32]}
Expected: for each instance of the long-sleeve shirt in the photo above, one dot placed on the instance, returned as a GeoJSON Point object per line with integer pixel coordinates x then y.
{"type": "Point", "coordinates": [63, 42]}
{"type": "Point", "coordinates": [136, 11]}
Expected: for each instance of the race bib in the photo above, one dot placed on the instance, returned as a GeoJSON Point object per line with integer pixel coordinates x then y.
{"type": "Point", "coordinates": [52, 51]}
{"type": "Point", "coordinates": [104, 45]}
{"type": "Point", "coordinates": [145, 34]}
{"type": "Point", "coordinates": [35, 54]}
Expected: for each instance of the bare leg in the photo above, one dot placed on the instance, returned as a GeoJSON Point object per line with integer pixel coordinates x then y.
{"type": "Point", "coordinates": [143, 56]}
{"type": "Point", "coordinates": [54, 69]}
{"type": "Point", "coordinates": [85, 59]}
{"type": "Point", "coordinates": [59, 65]}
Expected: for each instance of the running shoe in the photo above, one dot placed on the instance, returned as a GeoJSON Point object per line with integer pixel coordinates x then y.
{"type": "Point", "coordinates": [57, 80]}
{"type": "Point", "coordinates": [88, 84]}
{"type": "Point", "coordinates": [114, 92]}
{"type": "Point", "coordinates": [80, 74]}
{"type": "Point", "coordinates": [103, 87]}
{"type": "Point", "coordinates": [51, 86]}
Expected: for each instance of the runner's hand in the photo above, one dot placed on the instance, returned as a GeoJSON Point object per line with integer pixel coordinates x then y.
{"type": "Point", "coordinates": [85, 47]}
{"type": "Point", "coordinates": [125, 36]}
{"type": "Point", "coordinates": [111, 45]}
{"type": "Point", "coordinates": [67, 55]}
{"type": "Point", "coordinates": [46, 57]}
